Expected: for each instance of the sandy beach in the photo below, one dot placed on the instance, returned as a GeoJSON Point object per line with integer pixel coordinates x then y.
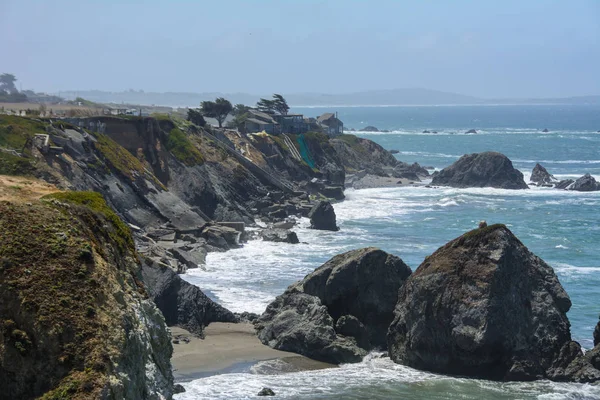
{"type": "Point", "coordinates": [229, 348]}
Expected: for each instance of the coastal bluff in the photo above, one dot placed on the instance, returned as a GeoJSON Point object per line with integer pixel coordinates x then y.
{"type": "Point", "coordinates": [75, 318]}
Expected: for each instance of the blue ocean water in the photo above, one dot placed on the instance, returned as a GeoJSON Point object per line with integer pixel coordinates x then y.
{"type": "Point", "coordinates": [562, 227]}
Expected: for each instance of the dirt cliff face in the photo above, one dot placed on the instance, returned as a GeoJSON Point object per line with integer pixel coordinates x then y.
{"type": "Point", "coordinates": [75, 320]}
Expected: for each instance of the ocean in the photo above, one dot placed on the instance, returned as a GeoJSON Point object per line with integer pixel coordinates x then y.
{"type": "Point", "coordinates": [561, 227]}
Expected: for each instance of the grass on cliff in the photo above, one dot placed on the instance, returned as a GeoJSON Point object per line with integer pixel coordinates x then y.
{"type": "Point", "coordinates": [121, 234]}
{"type": "Point", "coordinates": [15, 131]}
{"type": "Point", "coordinates": [352, 141]}
{"type": "Point", "coordinates": [52, 295]}
{"type": "Point", "coordinates": [180, 145]}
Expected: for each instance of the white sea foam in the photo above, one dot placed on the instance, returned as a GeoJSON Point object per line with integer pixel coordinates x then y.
{"type": "Point", "coordinates": [375, 378]}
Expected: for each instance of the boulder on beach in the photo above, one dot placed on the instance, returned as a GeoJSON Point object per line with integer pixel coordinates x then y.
{"type": "Point", "coordinates": [322, 217]}
{"type": "Point", "coordinates": [484, 306]}
{"type": "Point", "coordinates": [338, 312]}
{"type": "Point", "coordinates": [488, 169]}
{"type": "Point", "coordinates": [586, 183]}
{"type": "Point", "coordinates": [541, 176]}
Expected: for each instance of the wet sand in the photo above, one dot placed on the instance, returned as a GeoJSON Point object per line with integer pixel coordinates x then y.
{"type": "Point", "coordinates": [229, 348]}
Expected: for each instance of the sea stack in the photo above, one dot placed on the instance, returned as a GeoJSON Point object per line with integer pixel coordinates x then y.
{"type": "Point", "coordinates": [488, 169]}
{"type": "Point", "coordinates": [484, 306]}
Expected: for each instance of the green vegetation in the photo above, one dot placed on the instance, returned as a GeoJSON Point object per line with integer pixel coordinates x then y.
{"type": "Point", "coordinates": [15, 131]}
{"type": "Point", "coordinates": [15, 165]}
{"type": "Point", "coordinates": [94, 201]}
{"type": "Point", "coordinates": [120, 159]}
{"type": "Point", "coordinates": [8, 90]}
{"type": "Point", "coordinates": [318, 137]}
{"type": "Point", "coordinates": [477, 234]}
{"type": "Point", "coordinates": [194, 115]}
{"type": "Point", "coordinates": [179, 144]}
{"type": "Point", "coordinates": [45, 277]}
{"type": "Point", "coordinates": [86, 103]}
{"type": "Point", "coordinates": [277, 105]}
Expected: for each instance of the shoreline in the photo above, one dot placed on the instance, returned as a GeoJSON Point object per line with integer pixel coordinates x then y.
{"type": "Point", "coordinates": [230, 348]}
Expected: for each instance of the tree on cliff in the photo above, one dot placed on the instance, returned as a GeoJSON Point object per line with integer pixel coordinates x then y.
{"type": "Point", "coordinates": [240, 109]}
{"type": "Point", "coordinates": [277, 105]}
{"type": "Point", "coordinates": [7, 83]}
{"type": "Point", "coordinates": [194, 115]}
{"type": "Point", "coordinates": [218, 109]}
{"type": "Point", "coordinates": [8, 90]}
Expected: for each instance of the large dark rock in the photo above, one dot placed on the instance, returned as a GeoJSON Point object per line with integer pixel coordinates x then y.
{"type": "Point", "coordinates": [484, 306]}
{"type": "Point", "coordinates": [410, 171]}
{"type": "Point", "coordinates": [541, 176]}
{"type": "Point", "coordinates": [322, 217]}
{"type": "Point", "coordinates": [340, 311]}
{"type": "Point", "coordinates": [182, 303]}
{"type": "Point", "coordinates": [586, 183]}
{"type": "Point", "coordinates": [488, 169]}
{"type": "Point", "coordinates": [279, 235]}
{"type": "Point", "coordinates": [597, 334]}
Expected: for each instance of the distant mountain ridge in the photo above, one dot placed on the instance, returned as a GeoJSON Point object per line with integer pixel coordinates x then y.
{"type": "Point", "coordinates": [391, 97]}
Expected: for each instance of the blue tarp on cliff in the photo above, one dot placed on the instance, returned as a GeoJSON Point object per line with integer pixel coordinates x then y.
{"type": "Point", "coordinates": [304, 152]}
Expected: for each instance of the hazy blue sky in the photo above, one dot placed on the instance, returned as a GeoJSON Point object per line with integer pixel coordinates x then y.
{"type": "Point", "coordinates": [484, 48]}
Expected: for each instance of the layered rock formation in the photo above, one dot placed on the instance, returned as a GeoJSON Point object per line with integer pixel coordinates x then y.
{"type": "Point", "coordinates": [488, 169]}
{"type": "Point", "coordinates": [340, 311]}
{"type": "Point", "coordinates": [484, 306]}
{"type": "Point", "coordinates": [75, 318]}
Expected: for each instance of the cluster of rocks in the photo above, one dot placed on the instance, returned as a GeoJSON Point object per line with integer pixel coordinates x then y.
{"type": "Point", "coordinates": [340, 311]}
{"type": "Point", "coordinates": [186, 249]}
{"type": "Point", "coordinates": [481, 306]}
{"type": "Point", "coordinates": [541, 177]}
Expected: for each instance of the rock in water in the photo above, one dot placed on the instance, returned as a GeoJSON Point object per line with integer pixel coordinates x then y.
{"type": "Point", "coordinates": [340, 311]}
{"type": "Point", "coordinates": [266, 392]}
{"type": "Point", "coordinates": [322, 217]}
{"type": "Point", "coordinates": [541, 176]}
{"type": "Point", "coordinates": [484, 306]}
{"type": "Point", "coordinates": [182, 303]}
{"type": "Point", "coordinates": [488, 169]}
{"type": "Point", "coordinates": [471, 131]}
{"type": "Point", "coordinates": [597, 334]}
{"type": "Point", "coordinates": [564, 184]}
{"type": "Point", "coordinates": [279, 235]}
{"type": "Point", "coordinates": [586, 183]}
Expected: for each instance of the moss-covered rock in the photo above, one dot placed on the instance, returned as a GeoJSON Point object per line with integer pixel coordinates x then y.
{"type": "Point", "coordinates": [75, 321]}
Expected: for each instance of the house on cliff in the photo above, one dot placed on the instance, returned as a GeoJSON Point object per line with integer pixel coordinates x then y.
{"type": "Point", "coordinates": [330, 124]}
{"type": "Point", "coordinates": [258, 121]}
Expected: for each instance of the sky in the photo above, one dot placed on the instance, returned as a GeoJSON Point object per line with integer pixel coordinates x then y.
{"type": "Point", "coordinates": [485, 48]}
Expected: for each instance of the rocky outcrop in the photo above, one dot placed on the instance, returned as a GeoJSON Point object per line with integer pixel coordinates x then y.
{"type": "Point", "coordinates": [471, 131]}
{"type": "Point", "coordinates": [358, 154]}
{"type": "Point", "coordinates": [484, 306]}
{"type": "Point", "coordinates": [541, 176]}
{"type": "Point", "coordinates": [488, 169]}
{"type": "Point", "coordinates": [181, 303]}
{"type": "Point", "coordinates": [369, 128]}
{"type": "Point", "coordinates": [597, 334]}
{"type": "Point", "coordinates": [586, 183]}
{"type": "Point", "coordinates": [279, 235]}
{"type": "Point", "coordinates": [413, 171]}
{"type": "Point", "coordinates": [75, 321]}
{"type": "Point", "coordinates": [340, 311]}
{"type": "Point", "coordinates": [322, 217]}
